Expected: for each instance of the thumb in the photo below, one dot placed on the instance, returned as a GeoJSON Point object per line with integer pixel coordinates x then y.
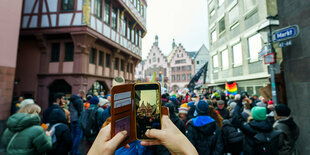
{"type": "Point", "coordinates": [155, 133]}
{"type": "Point", "coordinates": [118, 139]}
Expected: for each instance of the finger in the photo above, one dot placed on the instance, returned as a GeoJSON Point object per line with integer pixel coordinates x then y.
{"type": "Point", "coordinates": [154, 133]}
{"type": "Point", "coordinates": [127, 146]}
{"type": "Point", "coordinates": [118, 139]}
{"type": "Point", "coordinates": [105, 132]}
{"type": "Point", "coordinates": [149, 143]}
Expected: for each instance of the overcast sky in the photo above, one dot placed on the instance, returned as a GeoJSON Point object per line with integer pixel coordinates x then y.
{"type": "Point", "coordinates": [184, 20]}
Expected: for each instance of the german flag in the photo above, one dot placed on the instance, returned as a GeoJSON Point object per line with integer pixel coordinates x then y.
{"type": "Point", "coordinates": [231, 88]}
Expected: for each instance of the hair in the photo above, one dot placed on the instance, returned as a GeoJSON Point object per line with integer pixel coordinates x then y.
{"type": "Point", "coordinates": [30, 109]}
{"type": "Point", "coordinates": [247, 104]}
{"type": "Point", "coordinates": [81, 92]}
{"type": "Point", "coordinates": [58, 96]}
{"type": "Point", "coordinates": [218, 118]}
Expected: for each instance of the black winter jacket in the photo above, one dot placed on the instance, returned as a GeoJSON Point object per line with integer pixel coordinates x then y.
{"type": "Point", "coordinates": [250, 130]}
{"type": "Point", "coordinates": [232, 137]}
{"type": "Point", "coordinates": [224, 113]}
{"type": "Point", "coordinates": [48, 111]}
{"type": "Point", "coordinates": [205, 135]}
{"type": "Point", "coordinates": [63, 135]}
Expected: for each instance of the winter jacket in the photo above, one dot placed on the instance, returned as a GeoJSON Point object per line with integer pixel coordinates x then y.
{"type": "Point", "coordinates": [224, 113]}
{"type": "Point", "coordinates": [205, 135]}
{"type": "Point", "coordinates": [290, 133]}
{"type": "Point", "coordinates": [30, 138]}
{"type": "Point", "coordinates": [232, 137]}
{"type": "Point", "coordinates": [62, 132]}
{"type": "Point", "coordinates": [47, 113]}
{"type": "Point", "coordinates": [75, 107]}
{"type": "Point", "coordinates": [250, 130]}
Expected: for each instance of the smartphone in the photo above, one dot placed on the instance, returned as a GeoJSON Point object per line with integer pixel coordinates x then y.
{"type": "Point", "coordinates": [147, 108]}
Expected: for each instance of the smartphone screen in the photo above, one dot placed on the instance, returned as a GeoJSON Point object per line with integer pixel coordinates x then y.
{"type": "Point", "coordinates": [148, 104]}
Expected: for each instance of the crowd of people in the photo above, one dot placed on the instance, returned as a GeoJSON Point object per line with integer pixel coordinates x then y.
{"type": "Point", "coordinates": [204, 123]}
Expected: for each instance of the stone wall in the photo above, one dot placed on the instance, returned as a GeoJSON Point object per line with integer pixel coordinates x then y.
{"type": "Point", "coordinates": [296, 63]}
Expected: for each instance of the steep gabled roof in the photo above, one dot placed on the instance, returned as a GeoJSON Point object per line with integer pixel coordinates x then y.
{"type": "Point", "coordinates": [191, 54]}
{"type": "Point", "coordinates": [170, 56]}
{"type": "Point", "coordinates": [202, 47]}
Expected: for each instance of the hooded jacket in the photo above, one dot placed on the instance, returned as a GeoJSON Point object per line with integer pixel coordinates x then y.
{"type": "Point", "coordinates": [75, 107]}
{"type": "Point", "coordinates": [62, 132]}
{"type": "Point", "coordinates": [205, 135]}
{"type": "Point", "coordinates": [30, 138]}
{"type": "Point", "coordinates": [290, 133]}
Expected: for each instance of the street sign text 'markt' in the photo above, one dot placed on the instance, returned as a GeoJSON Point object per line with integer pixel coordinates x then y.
{"type": "Point", "coordinates": [285, 33]}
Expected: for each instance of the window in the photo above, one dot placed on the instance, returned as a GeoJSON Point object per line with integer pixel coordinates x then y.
{"type": "Point", "coordinates": [137, 38]}
{"type": "Point", "coordinates": [183, 68]}
{"type": "Point", "coordinates": [116, 64]}
{"type": "Point", "coordinates": [184, 77]}
{"type": "Point", "coordinates": [100, 58]}
{"type": "Point", "coordinates": [128, 30]}
{"type": "Point", "coordinates": [165, 72]}
{"type": "Point", "coordinates": [173, 77]}
{"type": "Point", "coordinates": [188, 76]}
{"type": "Point", "coordinates": [135, 3]}
{"type": "Point", "coordinates": [98, 8]}
{"type": "Point", "coordinates": [114, 18]}
{"type": "Point", "coordinates": [154, 54]}
{"type": "Point", "coordinates": [107, 6]}
{"type": "Point", "coordinates": [133, 35]}
{"type": "Point", "coordinates": [128, 65]}
{"type": "Point", "coordinates": [55, 52]}
{"type": "Point", "coordinates": [140, 72]}
{"type": "Point", "coordinates": [255, 45]}
{"type": "Point", "coordinates": [237, 54]}
{"type": "Point", "coordinates": [124, 23]}
{"type": "Point", "coordinates": [122, 65]}
{"type": "Point", "coordinates": [149, 61]}
{"type": "Point", "coordinates": [139, 6]}
{"type": "Point", "coordinates": [212, 13]}
{"type": "Point", "coordinates": [189, 68]}
{"type": "Point", "coordinates": [233, 15]}
{"type": "Point", "coordinates": [142, 10]}
{"type": "Point", "coordinates": [178, 77]}
{"type": "Point", "coordinates": [67, 5]}
{"type": "Point", "coordinates": [157, 59]}
{"type": "Point", "coordinates": [221, 2]}
{"type": "Point", "coordinates": [69, 51]}
{"type": "Point", "coordinates": [213, 36]}
{"type": "Point", "coordinates": [178, 68]}
{"type": "Point", "coordinates": [215, 63]}
{"type": "Point", "coordinates": [131, 68]}
{"type": "Point", "coordinates": [172, 69]}
{"type": "Point", "coordinates": [92, 56]}
{"type": "Point", "coordinates": [107, 60]}
{"type": "Point", "coordinates": [249, 4]}
{"type": "Point", "coordinates": [225, 63]}
{"type": "Point", "coordinates": [197, 62]}
{"type": "Point", "coordinates": [154, 59]}
{"type": "Point", "coordinates": [222, 25]}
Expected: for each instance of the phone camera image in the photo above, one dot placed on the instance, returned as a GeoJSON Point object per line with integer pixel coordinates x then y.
{"type": "Point", "coordinates": [147, 111]}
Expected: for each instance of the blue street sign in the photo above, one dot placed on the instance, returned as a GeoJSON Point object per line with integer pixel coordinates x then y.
{"type": "Point", "coordinates": [285, 33]}
{"type": "Point", "coordinates": [285, 43]}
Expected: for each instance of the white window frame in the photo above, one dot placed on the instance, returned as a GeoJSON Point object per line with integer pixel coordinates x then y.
{"type": "Point", "coordinates": [213, 34]}
{"type": "Point", "coordinates": [221, 2]}
{"type": "Point", "coordinates": [225, 59]}
{"type": "Point", "coordinates": [254, 47]}
{"type": "Point", "coordinates": [215, 63]}
{"type": "Point", "coordinates": [237, 55]}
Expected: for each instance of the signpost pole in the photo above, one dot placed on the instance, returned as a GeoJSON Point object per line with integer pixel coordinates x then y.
{"type": "Point", "coordinates": [272, 71]}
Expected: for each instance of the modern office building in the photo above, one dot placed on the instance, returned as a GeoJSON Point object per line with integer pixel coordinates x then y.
{"type": "Point", "coordinates": [235, 43]}
{"type": "Point", "coordinates": [71, 45]}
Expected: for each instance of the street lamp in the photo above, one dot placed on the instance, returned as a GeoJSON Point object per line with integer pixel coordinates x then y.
{"type": "Point", "coordinates": [265, 30]}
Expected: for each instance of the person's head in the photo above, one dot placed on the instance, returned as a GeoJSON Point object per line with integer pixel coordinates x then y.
{"type": "Point", "coordinates": [214, 100]}
{"type": "Point", "coordinates": [21, 98]}
{"type": "Point", "coordinates": [94, 100]}
{"type": "Point", "coordinates": [96, 94]}
{"type": "Point", "coordinates": [102, 93]}
{"type": "Point", "coordinates": [231, 97]}
{"type": "Point", "coordinates": [233, 105]}
{"type": "Point", "coordinates": [183, 113]}
{"type": "Point", "coordinates": [270, 107]}
{"type": "Point", "coordinates": [171, 108]}
{"type": "Point", "coordinates": [81, 93]}
{"type": "Point", "coordinates": [255, 97]}
{"type": "Point", "coordinates": [247, 104]}
{"type": "Point", "coordinates": [88, 97]}
{"type": "Point", "coordinates": [59, 98]}
{"type": "Point", "coordinates": [259, 113]}
{"type": "Point", "coordinates": [220, 104]}
{"type": "Point", "coordinates": [30, 109]}
{"type": "Point", "coordinates": [261, 104]}
{"type": "Point", "coordinates": [109, 98]}
{"type": "Point", "coordinates": [202, 107]}
{"type": "Point", "coordinates": [282, 110]}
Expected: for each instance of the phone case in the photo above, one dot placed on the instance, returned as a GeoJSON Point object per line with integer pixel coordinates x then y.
{"type": "Point", "coordinates": [123, 111]}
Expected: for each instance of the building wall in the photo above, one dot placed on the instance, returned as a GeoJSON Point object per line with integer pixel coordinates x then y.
{"type": "Point", "coordinates": [201, 58]}
{"type": "Point", "coordinates": [296, 67]}
{"type": "Point", "coordinates": [180, 55]}
{"type": "Point", "coordinates": [241, 23]}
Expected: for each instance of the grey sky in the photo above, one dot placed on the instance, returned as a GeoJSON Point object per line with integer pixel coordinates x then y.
{"type": "Point", "coordinates": [184, 20]}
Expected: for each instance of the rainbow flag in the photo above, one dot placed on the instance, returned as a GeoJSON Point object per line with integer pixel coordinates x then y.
{"type": "Point", "coordinates": [231, 88]}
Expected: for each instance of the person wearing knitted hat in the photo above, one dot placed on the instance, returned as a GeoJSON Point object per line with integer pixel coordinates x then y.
{"type": "Point", "coordinates": [99, 111]}
{"type": "Point", "coordinates": [257, 125]}
{"type": "Point", "coordinates": [203, 132]}
{"type": "Point", "coordinates": [290, 131]}
{"type": "Point", "coordinates": [183, 113]}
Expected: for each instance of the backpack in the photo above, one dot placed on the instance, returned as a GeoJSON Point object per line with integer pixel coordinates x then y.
{"type": "Point", "coordinates": [231, 134]}
{"type": "Point", "coordinates": [53, 134]}
{"type": "Point", "coordinates": [266, 143]}
{"type": "Point", "coordinates": [88, 122]}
